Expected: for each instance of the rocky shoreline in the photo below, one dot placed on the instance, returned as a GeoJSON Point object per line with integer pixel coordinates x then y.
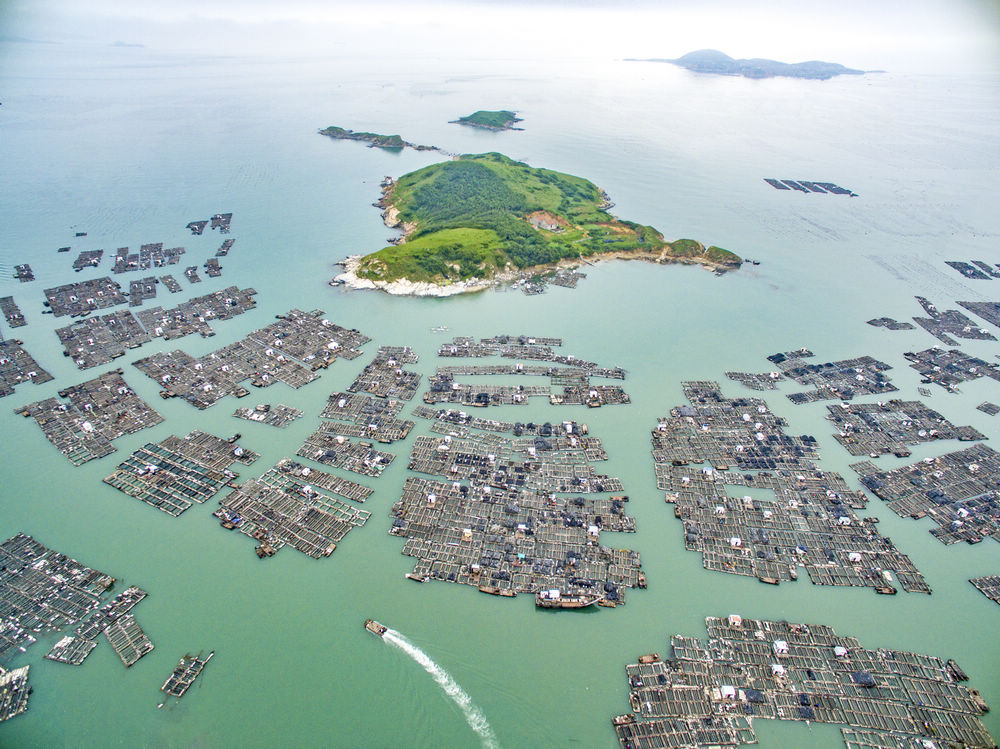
{"type": "Point", "coordinates": [404, 287]}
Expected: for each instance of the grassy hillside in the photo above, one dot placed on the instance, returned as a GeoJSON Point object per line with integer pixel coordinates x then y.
{"type": "Point", "coordinates": [477, 215]}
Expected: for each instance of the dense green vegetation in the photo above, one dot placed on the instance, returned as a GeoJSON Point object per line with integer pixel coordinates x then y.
{"type": "Point", "coordinates": [479, 214]}
{"type": "Point", "coordinates": [502, 119]}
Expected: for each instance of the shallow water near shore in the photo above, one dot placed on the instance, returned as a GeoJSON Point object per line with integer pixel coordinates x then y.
{"type": "Point", "coordinates": [129, 145]}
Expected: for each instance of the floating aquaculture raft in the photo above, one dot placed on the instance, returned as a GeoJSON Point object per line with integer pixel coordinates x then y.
{"type": "Point", "coordinates": [174, 473]}
{"type": "Point", "coordinates": [97, 412]}
{"type": "Point", "coordinates": [957, 490]}
{"type": "Point", "coordinates": [879, 428]}
{"type": "Point", "coordinates": [296, 505]}
{"type": "Point", "coordinates": [188, 669]}
{"type": "Point", "coordinates": [289, 350]}
{"type": "Point", "coordinates": [14, 692]}
{"type": "Point", "coordinates": [11, 312]}
{"type": "Point", "coordinates": [989, 586]}
{"type": "Point", "coordinates": [18, 366]}
{"type": "Point", "coordinates": [81, 298]}
{"type": "Point", "coordinates": [840, 380]}
{"type": "Point", "coordinates": [950, 368]}
{"type": "Point", "coordinates": [275, 416]}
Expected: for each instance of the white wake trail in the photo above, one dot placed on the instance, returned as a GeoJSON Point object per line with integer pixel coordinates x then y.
{"type": "Point", "coordinates": [473, 715]}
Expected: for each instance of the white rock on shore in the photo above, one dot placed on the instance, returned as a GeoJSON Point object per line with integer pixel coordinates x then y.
{"type": "Point", "coordinates": [403, 287]}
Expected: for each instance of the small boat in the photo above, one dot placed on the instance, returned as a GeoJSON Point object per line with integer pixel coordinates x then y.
{"type": "Point", "coordinates": [956, 671]}
{"type": "Point", "coordinates": [649, 658]}
{"type": "Point", "coordinates": [493, 590]}
{"type": "Point", "coordinates": [440, 329]}
{"type": "Point", "coordinates": [375, 628]}
{"type": "Point", "coordinates": [556, 599]}
{"type": "Point", "coordinates": [978, 701]}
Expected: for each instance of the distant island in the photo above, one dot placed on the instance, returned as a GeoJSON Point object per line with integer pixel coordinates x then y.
{"type": "Point", "coordinates": [718, 63]}
{"type": "Point", "coordinates": [374, 140]}
{"type": "Point", "coordinates": [502, 119]}
{"type": "Point", "coordinates": [481, 220]}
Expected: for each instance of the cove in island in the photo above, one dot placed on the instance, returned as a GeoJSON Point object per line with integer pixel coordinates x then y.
{"type": "Point", "coordinates": [478, 221]}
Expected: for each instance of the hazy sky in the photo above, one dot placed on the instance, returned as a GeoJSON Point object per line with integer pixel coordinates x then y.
{"type": "Point", "coordinates": [902, 35]}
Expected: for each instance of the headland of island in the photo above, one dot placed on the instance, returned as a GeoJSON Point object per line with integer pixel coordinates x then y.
{"type": "Point", "coordinates": [714, 62]}
{"type": "Point", "coordinates": [483, 220]}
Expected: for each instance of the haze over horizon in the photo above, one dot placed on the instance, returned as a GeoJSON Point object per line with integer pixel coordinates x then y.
{"type": "Point", "coordinates": [922, 36]}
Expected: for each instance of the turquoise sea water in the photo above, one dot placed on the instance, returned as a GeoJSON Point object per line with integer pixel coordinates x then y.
{"type": "Point", "coordinates": [129, 145]}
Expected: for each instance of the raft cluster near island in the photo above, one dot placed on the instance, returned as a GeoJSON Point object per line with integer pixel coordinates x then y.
{"type": "Point", "coordinates": [524, 508]}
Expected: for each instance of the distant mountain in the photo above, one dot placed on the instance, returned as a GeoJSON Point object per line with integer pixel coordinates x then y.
{"type": "Point", "coordinates": [719, 63]}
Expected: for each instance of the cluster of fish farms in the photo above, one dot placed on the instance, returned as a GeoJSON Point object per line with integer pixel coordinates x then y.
{"type": "Point", "coordinates": [511, 507]}
{"type": "Point", "coordinates": [958, 491]}
{"type": "Point", "coordinates": [978, 270]}
{"type": "Point", "coordinates": [707, 692]}
{"type": "Point", "coordinates": [290, 350]}
{"type": "Point", "coordinates": [839, 380]}
{"type": "Point", "coordinates": [526, 507]}
{"type": "Point", "coordinates": [97, 340]}
{"type": "Point", "coordinates": [44, 593]}
{"type": "Point", "coordinates": [801, 185]}
{"type": "Point", "coordinates": [753, 502]}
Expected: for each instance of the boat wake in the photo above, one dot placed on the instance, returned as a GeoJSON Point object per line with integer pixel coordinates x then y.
{"type": "Point", "coordinates": [473, 715]}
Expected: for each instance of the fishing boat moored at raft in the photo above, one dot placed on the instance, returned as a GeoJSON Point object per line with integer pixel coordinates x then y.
{"type": "Point", "coordinates": [556, 599]}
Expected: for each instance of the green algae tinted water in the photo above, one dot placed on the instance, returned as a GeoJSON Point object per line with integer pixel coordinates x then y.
{"type": "Point", "coordinates": [129, 146]}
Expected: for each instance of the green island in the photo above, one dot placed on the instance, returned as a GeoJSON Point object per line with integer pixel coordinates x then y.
{"type": "Point", "coordinates": [480, 220]}
{"type": "Point", "coordinates": [374, 140]}
{"type": "Point", "coordinates": [502, 119]}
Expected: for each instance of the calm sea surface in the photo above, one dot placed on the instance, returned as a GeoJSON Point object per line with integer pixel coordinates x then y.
{"type": "Point", "coordinates": [129, 145]}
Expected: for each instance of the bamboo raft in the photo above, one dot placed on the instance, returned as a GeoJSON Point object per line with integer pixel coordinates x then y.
{"type": "Point", "coordinates": [11, 312]}
{"type": "Point", "coordinates": [128, 640]}
{"type": "Point", "coordinates": [183, 676]}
